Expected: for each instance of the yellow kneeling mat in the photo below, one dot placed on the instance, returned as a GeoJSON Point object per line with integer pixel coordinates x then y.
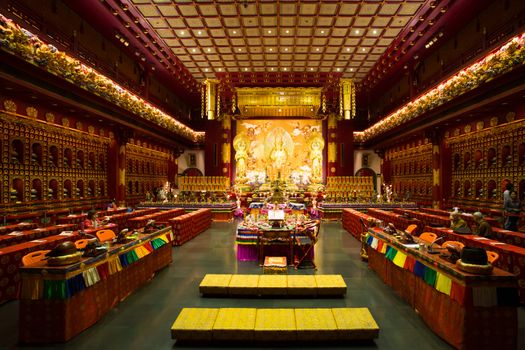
{"type": "Point", "coordinates": [246, 324]}
{"type": "Point", "coordinates": [234, 324]}
{"type": "Point", "coordinates": [194, 324]}
{"type": "Point", "coordinates": [215, 284]}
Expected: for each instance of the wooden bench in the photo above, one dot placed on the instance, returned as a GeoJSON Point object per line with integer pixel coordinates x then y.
{"type": "Point", "coordinates": [281, 325]}
{"type": "Point", "coordinates": [265, 285]}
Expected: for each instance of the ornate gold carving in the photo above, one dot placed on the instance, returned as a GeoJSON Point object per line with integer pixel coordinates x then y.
{"type": "Point", "coordinates": [332, 121]}
{"type": "Point", "coordinates": [122, 176]}
{"type": "Point", "coordinates": [226, 122]}
{"type": "Point", "coordinates": [468, 128]}
{"type": "Point", "coordinates": [348, 98]}
{"type": "Point", "coordinates": [211, 94]}
{"type": "Point", "coordinates": [332, 170]}
{"type": "Point", "coordinates": [91, 129]}
{"type": "Point", "coordinates": [79, 125]}
{"type": "Point", "coordinates": [50, 117]}
{"type": "Point", "coordinates": [32, 112]}
{"type": "Point", "coordinates": [332, 152]}
{"type": "Point", "coordinates": [456, 132]}
{"type": "Point", "coordinates": [226, 152]}
{"type": "Point", "coordinates": [493, 121]}
{"type": "Point", "coordinates": [488, 132]}
{"type": "Point", "coordinates": [480, 125]}
{"type": "Point", "coordinates": [65, 122]}
{"type": "Point", "coordinates": [10, 106]}
{"type": "Point", "coordinates": [279, 102]}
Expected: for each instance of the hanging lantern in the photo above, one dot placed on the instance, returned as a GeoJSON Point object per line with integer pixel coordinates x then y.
{"type": "Point", "coordinates": [347, 98]}
{"type": "Point", "coordinates": [210, 99]}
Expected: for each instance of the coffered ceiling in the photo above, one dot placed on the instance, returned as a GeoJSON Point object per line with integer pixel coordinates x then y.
{"type": "Point", "coordinates": [210, 37]}
{"type": "Point", "coordinates": [280, 43]}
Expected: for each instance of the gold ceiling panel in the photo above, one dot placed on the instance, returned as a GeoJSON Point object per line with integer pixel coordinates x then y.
{"type": "Point", "coordinates": [278, 102]}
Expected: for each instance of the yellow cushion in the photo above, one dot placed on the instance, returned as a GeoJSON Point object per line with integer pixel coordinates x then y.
{"type": "Point", "coordinates": [243, 284]}
{"type": "Point", "coordinates": [234, 324]}
{"type": "Point", "coordinates": [272, 285]}
{"type": "Point", "coordinates": [301, 285]}
{"type": "Point", "coordinates": [355, 323]}
{"type": "Point", "coordinates": [275, 324]}
{"type": "Point", "coordinates": [315, 324]}
{"type": "Point", "coordinates": [194, 324]}
{"type": "Point", "coordinates": [330, 285]}
{"type": "Point", "coordinates": [215, 284]}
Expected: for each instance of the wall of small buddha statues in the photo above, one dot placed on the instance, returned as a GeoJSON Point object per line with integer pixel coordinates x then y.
{"type": "Point", "coordinates": [49, 159]}
{"type": "Point", "coordinates": [411, 170]}
{"type": "Point", "coordinates": [146, 168]}
{"type": "Point", "coordinates": [484, 156]}
{"type": "Point", "coordinates": [479, 157]}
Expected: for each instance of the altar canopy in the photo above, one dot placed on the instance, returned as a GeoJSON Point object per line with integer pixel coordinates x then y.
{"type": "Point", "coordinates": [266, 148]}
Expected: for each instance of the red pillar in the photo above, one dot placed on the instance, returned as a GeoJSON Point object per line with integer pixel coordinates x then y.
{"type": "Point", "coordinates": [340, 148]}
{"type": "Point", "coordinates": [218, 152]}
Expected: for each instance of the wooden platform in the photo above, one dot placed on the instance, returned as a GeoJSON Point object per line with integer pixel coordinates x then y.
{"type": "Point", "coordinates": [250, 324]}
{"type": "Point", "coordinates": [273, 285]}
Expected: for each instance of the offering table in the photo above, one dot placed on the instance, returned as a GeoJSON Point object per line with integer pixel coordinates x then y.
{"type": "Point", "coordinates": [469, 311]}
{"type": "Point", "coordinates": [59, 302]}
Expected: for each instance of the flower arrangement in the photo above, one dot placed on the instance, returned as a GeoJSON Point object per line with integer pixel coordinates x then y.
{"type": "Point", "coordinates": [30, 48]}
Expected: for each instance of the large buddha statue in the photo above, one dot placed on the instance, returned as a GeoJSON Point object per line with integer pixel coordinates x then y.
{"type": "Point", "coordinates": [316, 144]}
{"type": "Point", "coordinates": [278, 155]}
{"type": "Point", "coordinates": [278, 149]}
{"type": "Point", "coordinates": [240, 144]}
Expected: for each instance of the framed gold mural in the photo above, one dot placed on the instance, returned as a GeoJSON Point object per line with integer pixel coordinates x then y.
{"type": "Point", "coordinates": [289, 149]}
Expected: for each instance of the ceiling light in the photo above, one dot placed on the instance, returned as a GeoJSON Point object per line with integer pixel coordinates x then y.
{"type": "Point", "coordinates": [205, 69]}
{"type": "Point", "coordinates": [347, 49]}
{"type": "Point", "coordinates": [234, 32]}
{"type": "Point", "coordinates": [271, 49]}
{"type": "Point", "coordinates": [245, 69]}
{"type": "Point", "coordinates": [279, 110]}
{"type": "Point", "coordinates": [338, 69]}
{"type": "Point", "coordinates": [209, 50]}
{"type": "Point", "coordinates": [363, 49]}
{"type": "Point", "coordinates": [357, 31]}
{"type": "Point", "coordinates": [192, 50]}
{"type": "Point", "coordinates": [351, 69]}
{"type": "Point", "coordinates": [271, 68]}
{"type": "Point", "coordinates": [219, 69]}
{"type": "Point", "coordinates": [322, 31]}
{"type": "Point", "coordinates": [374, 31]}
{"type": "Point", "coordinates": [285, 49]}
{"type": "Point", "coordinates": [317, 49]}
{"type": "Point", "coordinates": [181, 32]}
{"type": "Point", "coordinates": [269, 32]}
{"type": "Point", "coordinates": [287, 32]}
{"type": "Point", "coordinates": [240, 49]}
{"type": "Point", "coordinates": [312, 68]}
{"type": "Point", "coordinates": [284, 69]}
{"type": "Point", "coordinates": [199, 32]}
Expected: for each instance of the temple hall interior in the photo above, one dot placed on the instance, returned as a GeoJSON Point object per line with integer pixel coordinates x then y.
{"type": "Point", "coordinates": [257, 173]}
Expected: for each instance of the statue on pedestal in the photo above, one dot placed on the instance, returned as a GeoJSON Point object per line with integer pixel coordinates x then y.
{"type": "Point", "coordinates": [278, 147]}
{"type": "Point", "coordinates": [316, 144]}
{"type": "Point", "coordinates": [240, 144]}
